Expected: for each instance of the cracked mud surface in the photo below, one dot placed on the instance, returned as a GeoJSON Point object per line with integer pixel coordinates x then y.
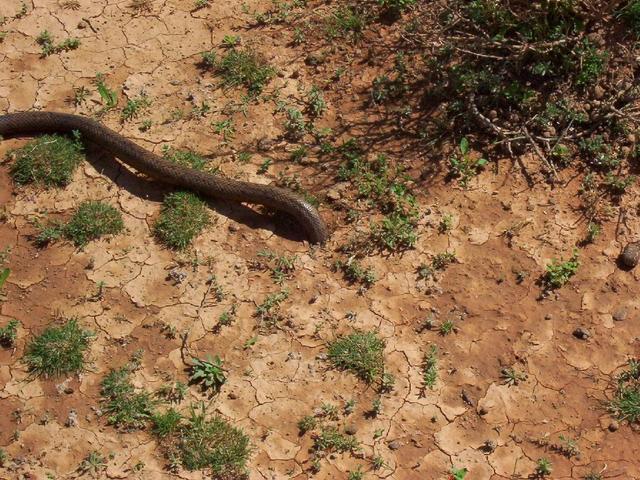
{"type": "Point", "coordinates": [284, 376]}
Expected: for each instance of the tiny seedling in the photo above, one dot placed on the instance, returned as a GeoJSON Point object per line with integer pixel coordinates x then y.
{"type": "Point", "coordinates": [558, 273]}
{"type": "Point", "coordinates": [543, 467]}
{"type": "Point", "coordinates": [462, 166]}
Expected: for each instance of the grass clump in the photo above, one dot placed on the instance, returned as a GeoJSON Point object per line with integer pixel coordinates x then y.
{"type": "Point", "coordinates": [430, 368]}
{"type": "Point", "coordinates": [182, 218]}
{"type": "Point", "coordinates": [626, 402]}
{"type": "Point", "coordinates": [58, 350]}
{"type": "Point", "coordinates": [240, 67]}
{"type": "Point", "coordinates": [630, 13]}
{"type": "Point", "coordinates": [199, 441]}
{"type": "Point", "coordinates": [92, 220]}
{"type": "Point", "coordinates": [361, 353]}
{"type": "Point", "coordinates": [49, 160]}
{"type": "Point", "coordinates": [127, 408]}
{"type": "Point", "coordinates": [354, 272]}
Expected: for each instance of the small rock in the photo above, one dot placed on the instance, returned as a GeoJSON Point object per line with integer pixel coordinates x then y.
{"type": "Point", "coordinates": [581, 333]}
{"type": "Point", "coordinates": [598, 92]}
{"type": "Point", "coordinates": [178, 276]}
{"type": "Point", "coordinates": [488, 446]}
{"type": "Point", "coordinates": [630, 255]}
{"type": "Point", "coordinates": [395, 445]}
{"type": "Point", "coordinates": [265, 144]}
{"type": "Point", "coordinates": [69, 390]}
{"type": "Point", "coordinates": [620, 314]}
{"type": "Point", "coordinates": [72, 419]}
{"type": "Point", "coordinates": [333, 195]}
{"type": "Point", "coordinates": [548, 316]}
{"type": "Point", "coordinates": [350, 429]}
{"type": "Point", "coordinates": [467, 398]}
{"type": "Point", "coordinates": [613, 426]}
{"type": "Point", "coordinates": [232, 396]}
{"type": "Point", "coordinates": [482, 411]}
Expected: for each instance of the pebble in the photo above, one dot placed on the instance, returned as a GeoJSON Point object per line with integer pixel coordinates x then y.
{"type": "Point", "coordinates": [350, 429]}
{"type": "Point", "coordinates": [581, 333]}
{"type": "Point", "coordinates": [613, 426]}
{"type": "Point", "coordinates": [630, 255]}
{"type": "Point", "coordinates": [488, 446]}
{"type": "Point", "coordinates": [395, 445]}
{"type": "Point", "coordinates": [620, 314]}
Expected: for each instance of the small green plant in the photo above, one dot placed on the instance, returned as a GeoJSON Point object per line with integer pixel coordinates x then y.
{"type": "Point", "coordinates": [225, 128]}
{"type": "Point", "coordinates": [173, 392]}
{"type": "Point", "coordinates": [447, 327]}
{"type": "Point", "coordinates": [269, 310]}
{"type": "Point", "coordinates": [356, 474]}
{"type": "Point", "coordinates": [316, 103]}
{"type": "Point", "coordinates": [443, 260]}
{"type": "Point", "coordinates": [361, 353]}
{"type": "Point", "coordinates": [126, 407]}
{"type": "Point", "coordinates": [182, 218]}
{"type": "Point", "coordinates": [458, 473]}
{"type": "Point", "coordinates": [593, 232]}
{"type": "Point", "coordinates": [9, 334]}
{"type": "Point", "coordinates": [446, 223]}
{"type": "Point", "coordinates": [512, 377]}
{"type": "Point", "coordinates": [49, 160]}
{"type": "Point", "coordinates": [376, 407]}
{"type": "Point", "coordinates": [58, 350]}
{"type": "Point", "coordinates": [295, 126]}
{"type": "Point", "coordinates": [625, 404]}
{"type": "Point", "coordinates": [240, 67]}
{"type": "Point", "coordinates": [281, 266]}
{"type": "Point", "coordinates": [543, 467]}
{"type": "Point", "coordinates": [108, 96]}
{"type": "Point", "coordinates": [354, 272]}
{"type": "Point", "coordinates": [133, 107]}
{"type": "Point", "coordinates": [3, 457]}
{"type": "Point", "coordinates": [209, 373]}
{"type": "Point", "coordinates": [430, 368]}
{"type": "Point", "coordinates": [558, 273]}
{"type": "Point", "coordinates": [201, 4]}
{"type": "Point", "coordinates": [4, 275]}
{"type": "Point", "coordinates": [346, 21]}
{"type": "Point", "coordinates": [264, 166]}
{"type": "Point", "coordinates": [462, 166]}
{"type": "Point", "coordinates": [592, 63]}
{"type": "Point", "coordinates": [230, 41]}
{"type": "Point", "coordinates": [166, 423]}
{"type": "Point", "coordinates": [46, 42]}
{"type": "Point", "coordinates": [330, 439]}
{"type": "Point", "coordinates": [92, 464]}
{"type": "Point", "coordinates": [306, 424]}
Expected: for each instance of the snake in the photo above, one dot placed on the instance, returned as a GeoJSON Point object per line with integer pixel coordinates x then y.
{"type": "Point", "coordinates": [165, 171]}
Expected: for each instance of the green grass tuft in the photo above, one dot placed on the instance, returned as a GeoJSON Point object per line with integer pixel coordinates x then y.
{"type": "Point", "coordinates": [241, 67]}
{"type": "Point", "coordinates": [626, 402]}
{"type": "Point", "coordinates": [49, 160]}
{"type": "Point", "coordinates": [361, 353]}
{"type": "Point", "coordinates": [200, 441]}
{"type": "Point", "coordinates": [185, 158]}
{"type": "Point", "coordinates": [92, 220]}
{"type": "Point", "coordinates": [58, 350]}
{"type": "Point", "coordinates": [182, 218]}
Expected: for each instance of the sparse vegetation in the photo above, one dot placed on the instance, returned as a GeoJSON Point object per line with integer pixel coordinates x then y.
{"type": "Point", "coordinates": [182, 218]}
{"type": "Point", "coordinates": [49, 47]}
{"type": "Point", "coordinates": [199, 441]}
{"type": "Point", "coordinates": [430, 368]}
{"type": "Point", "coordinates": [126, 407]}
{"type": "Point", "coordinates": [58, 350]}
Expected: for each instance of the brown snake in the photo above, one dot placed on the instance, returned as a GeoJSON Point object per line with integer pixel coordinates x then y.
{"type": "Point", "coordinates": [165, 171]}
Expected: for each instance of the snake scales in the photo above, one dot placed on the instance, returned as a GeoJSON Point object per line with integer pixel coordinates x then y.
{"type": "Point", "coordinates": [165, 171]}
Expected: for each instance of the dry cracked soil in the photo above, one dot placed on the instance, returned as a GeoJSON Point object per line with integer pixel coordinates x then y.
{"type": "Point", "coordinates": [472, 418]}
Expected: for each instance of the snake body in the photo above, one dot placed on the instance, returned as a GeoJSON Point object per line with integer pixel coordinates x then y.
{"type": "Point", "coordinates": [168, 172]}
